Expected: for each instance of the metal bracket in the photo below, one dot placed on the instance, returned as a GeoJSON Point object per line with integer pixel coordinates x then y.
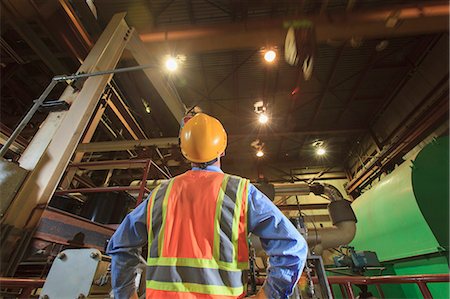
{"type": "Point", "coordinates": [54, 106]}
{"type": "Point", "coordinates": [77, 83]}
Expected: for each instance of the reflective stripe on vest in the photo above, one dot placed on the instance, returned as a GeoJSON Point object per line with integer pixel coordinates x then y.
{"type": "Point", "coordinates": [220, 254]}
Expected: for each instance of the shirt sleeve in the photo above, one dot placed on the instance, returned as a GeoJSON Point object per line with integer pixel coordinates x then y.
{"type": "Point", "coordinates": [125, 250]}
{"type": "Point", "coordinates": [286, 248]}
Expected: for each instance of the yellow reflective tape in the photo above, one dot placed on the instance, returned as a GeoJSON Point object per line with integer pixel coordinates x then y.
{"type": "Point", "coordinates": [149, 210]}
{"type": "Point", "coordinates": [216, 244]}
{"type": "Point", "coordinates": [194, 287]}
{"type": "Point", "coordinates": [247, 183]}
{"type": "Point", "coordinates": [164, 212]}
{"type": "Point", "coordinates": [236, 216]}
{"type": "Point", "coordinates": [192, 262]}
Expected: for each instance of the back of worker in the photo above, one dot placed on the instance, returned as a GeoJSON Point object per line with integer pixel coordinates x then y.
{"type": "Point", "coordinates": [198, 236]}
{"type": "Point", "coordinates": [196, 226]}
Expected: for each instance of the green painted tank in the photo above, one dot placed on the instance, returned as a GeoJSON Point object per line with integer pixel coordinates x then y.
{"type": "Point", "coordinates": [406, 213]}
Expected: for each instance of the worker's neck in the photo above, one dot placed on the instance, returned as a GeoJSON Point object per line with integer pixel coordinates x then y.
{"type": "Point", "coordinates": [217, 164]}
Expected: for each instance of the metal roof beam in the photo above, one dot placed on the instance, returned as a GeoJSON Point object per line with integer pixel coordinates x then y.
{"type": "Point", "coordinates": [123, 145]}
{"type": "Point", "coordinates": [32, 39]}
{"type": "Point", "coordinates": [160, 81]}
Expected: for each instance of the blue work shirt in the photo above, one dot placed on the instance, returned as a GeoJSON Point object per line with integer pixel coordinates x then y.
{"type": "Point", "coordinates": [286, 248]}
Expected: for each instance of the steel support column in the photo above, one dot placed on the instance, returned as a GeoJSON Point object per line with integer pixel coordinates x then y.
{"type": "Point", "coordinates": [60, 140]}
{"type": "Point", "coordinates": [86, 139]}
{"type": "Point", "coordinates": [98, 59]}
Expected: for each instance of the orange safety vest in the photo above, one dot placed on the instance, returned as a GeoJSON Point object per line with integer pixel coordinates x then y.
{"type": "Point", "coordinates": [197, 230]}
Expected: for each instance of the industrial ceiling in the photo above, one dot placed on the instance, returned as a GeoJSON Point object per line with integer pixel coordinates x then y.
{"type": "Point", "coordinates": [369, 54]}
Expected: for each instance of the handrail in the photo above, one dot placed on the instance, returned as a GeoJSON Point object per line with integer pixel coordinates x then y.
{"type": "Point", "coordinates": [389, 279]}
{"type": "Point", "coordinates": [345, 282]}
{"type": "Point", "coordinates": [26, 284]}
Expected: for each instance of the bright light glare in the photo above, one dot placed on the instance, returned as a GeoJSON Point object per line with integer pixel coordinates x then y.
{"type": "Point", "coordinates": [270, 56]}
{"type": "Point", "coordinates": [263, 118]}
{"type": "Point", "coordinates": [171, 64]}
{"type": "Point", "coordinates": [259, 153]}
{"type": "Point", "coordinates": [321, 151]}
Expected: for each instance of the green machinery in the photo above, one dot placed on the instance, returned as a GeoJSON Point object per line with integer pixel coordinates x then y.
{"type": "Point", "coordinates": [404, 218]}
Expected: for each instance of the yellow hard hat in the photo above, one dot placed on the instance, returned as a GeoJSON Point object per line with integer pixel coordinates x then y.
{"type": "Point", "coordinates": [202, 138]}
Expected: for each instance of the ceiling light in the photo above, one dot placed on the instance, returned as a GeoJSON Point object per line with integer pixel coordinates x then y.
{"type": "Point", "coordinates": [259, 153]}
{"type": "Point", "coordinates": [263, 118]}
{"type": "Point", "coordinates": [321, 151]}
{"type": "Point", "coordinates": [270, 55]}
{"type": "Point", "coordinates": [171, 64]}
{"type": "Point", "coordinates": [148, 109]}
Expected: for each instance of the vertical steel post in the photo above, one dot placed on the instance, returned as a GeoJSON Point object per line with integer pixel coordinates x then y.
{"type": "Point", "coordinates": [348, 287]}
{"type": "Point", "coordinates": [331, 291]}
{"type": "Point", "coordinates": [344, 294]}
{"type": "Point", "coordinates": [143, 183]}
{"type": "Point", "coordinates": [53, 145]}
{"type": "Point", "coordinates": [380, 291]}
{"type": "Point", "coordinates": [65, 184]}
{"type": "Point", "coordinates": [424, 290]}
{"type": "Point", "coordinates": [101, 57]}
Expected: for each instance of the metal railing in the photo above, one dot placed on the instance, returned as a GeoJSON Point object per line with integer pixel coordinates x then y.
{"type": "Point", "coordinates": [345, 282]}
{"type": "Point", "coordinates": [142, 188]}
{"type": "Point", "coordinates": [23, 286]}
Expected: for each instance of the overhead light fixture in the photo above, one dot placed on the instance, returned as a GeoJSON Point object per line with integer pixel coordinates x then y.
{"type": "Point", "coordinates": [171, 64]}
{"type": "Point", "coordinates": [263, 118]}
{"type": "Point", "coordinates": [148, 109]}
{"type": "Point", "coordinates": [258, 145]}
{"type": "Point", "coordinates": [270, 56]}
{"type": "Point", "coordinates": [321, 151]}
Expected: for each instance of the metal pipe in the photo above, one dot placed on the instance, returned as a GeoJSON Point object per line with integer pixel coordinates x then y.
{"type": "Point", "coordinates": [52, 84]}
{"type": "Point", "coordinates": [340, 211]}
{"type": "Point", "coordinates": [60, 78]}
{"type": "Point", "coordinates": [292, 189]}
{"type": "Point", "coordinates": [348, 287]}
{"type": "Point", "coordinates": [342, 291]}
{"type": "Point", "coordinates": [313, 206]}
{"type": "Point", "coordinates": [21, 282]}
{"type": "Point", "coordinates": [99, 189]}
{"type": "Point", "coordinates": [27, 118]}
{"type": "Point", "coordinates": [343, 233]}
{"type": "Point", "coordinates": [162, 171]}
{"type": "Point", "coordinates": [332, 192]}
{"type": "Point", "coordinates": [380, 290]}
{"type": "Point", "coordinates": [424, 290]}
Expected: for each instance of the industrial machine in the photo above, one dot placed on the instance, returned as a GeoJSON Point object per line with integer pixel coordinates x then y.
{"type": "Point", "coordinates": [356, 261]}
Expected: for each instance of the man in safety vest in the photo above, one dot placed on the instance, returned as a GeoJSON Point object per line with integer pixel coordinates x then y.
{"type": "Point", "coordinates": [197, 225]}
